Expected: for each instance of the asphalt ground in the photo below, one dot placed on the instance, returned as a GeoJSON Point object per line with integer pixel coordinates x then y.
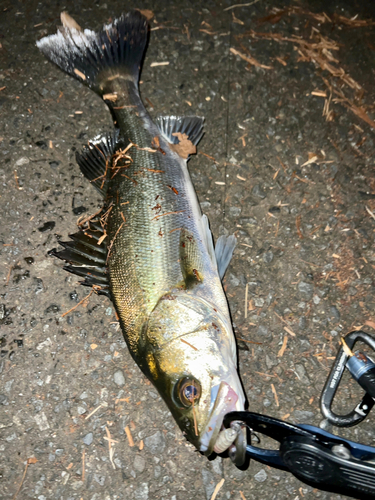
{"type": "Point", "coordinates": [286, 163]}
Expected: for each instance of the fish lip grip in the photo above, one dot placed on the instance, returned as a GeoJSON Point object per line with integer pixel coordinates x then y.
{"type": "Point", "coordinates": [364, 407]}
{"type": "Point", "coordinates": [314, 456]}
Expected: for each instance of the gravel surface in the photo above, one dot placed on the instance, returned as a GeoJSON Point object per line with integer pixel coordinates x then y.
{"type": "Point", "coordinates": [286, 163]}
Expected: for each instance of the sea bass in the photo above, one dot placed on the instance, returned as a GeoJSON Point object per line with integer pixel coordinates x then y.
{"type": "Point", "coordinates": [150, 250]}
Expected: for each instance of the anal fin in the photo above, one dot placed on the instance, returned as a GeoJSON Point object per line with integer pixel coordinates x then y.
{"type": "Point", "coordinates": [86, 258]}
{"type": "Point", "coordinates": [224, 249]}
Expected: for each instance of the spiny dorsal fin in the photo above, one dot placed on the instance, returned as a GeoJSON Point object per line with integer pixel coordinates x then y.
{"type": "Point", "coordinates": [95, 160]}
{"type": "Point", "coordinates": [191, 259]}
{"type": "Point", "coordinates": [175, 128]}
{"type": "Point", "coordinates": [86, 257]}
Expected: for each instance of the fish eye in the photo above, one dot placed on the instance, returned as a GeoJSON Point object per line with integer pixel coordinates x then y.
{"type": "Point", "coordinates": [188, 391]}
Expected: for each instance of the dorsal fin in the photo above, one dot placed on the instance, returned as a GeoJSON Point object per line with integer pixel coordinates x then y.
{"type": "Point", "coordinates": [95, 160]}
{"type": "Point", "coordinates": [171, 128]}
{"type": "Point", "coordinates": [86, 257]}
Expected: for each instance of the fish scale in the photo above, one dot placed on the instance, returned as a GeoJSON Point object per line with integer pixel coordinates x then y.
{"type": "Point", "coordinates": [149, 264]}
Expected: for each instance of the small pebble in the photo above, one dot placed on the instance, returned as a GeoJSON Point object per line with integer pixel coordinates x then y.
{"type": "Point", "coordinates": [41, 421]}
{"type": "Point", "coordinates": [260, 476]}
{"type": "Point", "coordinates": [139, 463]}
{"type": "Point", "coordinates": [259, 302]}
{"type": "Point", "coordinates": [99, 479]}
{"type": "Point", "coordinates": [263, 331]}
{"type": "Point", "coordinates": [141, 493]}
{"type": "Point", "coordinates": [335, 313]}
{"type": "Point", "coordinates": [234, 211]}
{"type": "Point", "coordinates": [316, 299]}
{"type": "Point", "coordinates": [155, 443]}
{"type": "Point", "coordinates": [303, 416]}
{"type": "Point", "coordinates": [233, 280]}
{"type": "Point", "coordinates": [22, 161]}
{"type": "Point", "coordinates": [259, 192]}
{"type": "Point", "coordinates": [88, 439]}
{"type": "Point", "coordinates": [301, 371]}
{"type": "Point", "coordinates": [119, 378]}
{"type": "Point", "coordinates": [306, 289]}
{"type": "Point", "coordinates": [268, 257]}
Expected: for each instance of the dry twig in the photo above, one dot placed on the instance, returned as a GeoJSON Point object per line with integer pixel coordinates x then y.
{"type": "Point", "coordinates": [275, 394]}
{"type": "Point", "coordinates": [280, 354]}
{"type": "Point", "coordinates": [79, 303]}
{"type": "Point", "coordinates": [129, 436]}
{"type": "Point", "coordinates": [29, 461]}
{"type": "Point", "coordinates": [251, 60]}
{"type": "Point", "coordinates": [110, 449]}
{"type": "Point", "coordinates": [241, 5]}
{"type": "Point", "coordinates": [102, 405]}
{"type": "Point", "coordinates": [217, 489]}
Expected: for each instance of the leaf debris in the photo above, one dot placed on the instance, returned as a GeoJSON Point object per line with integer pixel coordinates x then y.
{"type": "Point", "coordinates": [185, 147]}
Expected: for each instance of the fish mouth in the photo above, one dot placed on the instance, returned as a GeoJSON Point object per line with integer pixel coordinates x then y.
{"type": "Point", "coordinates": [225, 401]}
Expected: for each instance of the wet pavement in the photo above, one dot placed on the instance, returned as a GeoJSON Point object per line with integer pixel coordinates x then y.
{"type": "Point", "coordinates": [286, 163]}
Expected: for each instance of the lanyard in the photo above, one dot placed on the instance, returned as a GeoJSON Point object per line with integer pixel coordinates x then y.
{"type": "Point", "coordinates": [314, 456]}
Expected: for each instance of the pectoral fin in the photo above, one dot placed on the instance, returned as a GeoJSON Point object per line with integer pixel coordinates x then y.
{"type": "Point", "coordinates": [191, 259]}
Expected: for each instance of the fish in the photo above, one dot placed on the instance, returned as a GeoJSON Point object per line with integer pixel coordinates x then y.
{"type": "Point", "coordinates": [150, 249]}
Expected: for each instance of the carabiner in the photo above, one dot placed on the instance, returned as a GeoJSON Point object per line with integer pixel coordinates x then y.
{"type": "Point", "coordinates": [361, 411]}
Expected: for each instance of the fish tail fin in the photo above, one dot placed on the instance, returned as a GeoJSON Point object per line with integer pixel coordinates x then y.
{"type": "Point", "coordinates": [93, 58]}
